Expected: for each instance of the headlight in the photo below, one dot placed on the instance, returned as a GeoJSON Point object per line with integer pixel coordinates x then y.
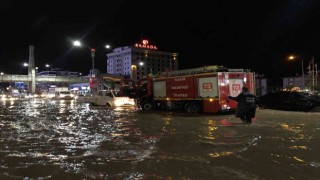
{"type": "Point", "coordinates": [131, 101]}
{"type": "Point", "coordinates": [118, 102]}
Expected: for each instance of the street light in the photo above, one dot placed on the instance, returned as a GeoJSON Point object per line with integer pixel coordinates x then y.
{"type": "Point", "coordinates": [24, 65]}
{"type": "Point", "coordinates": [93, 52]}
{"type": "Point", "coordinates": [302, 71]}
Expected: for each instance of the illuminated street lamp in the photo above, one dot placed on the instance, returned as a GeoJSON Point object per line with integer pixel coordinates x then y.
{"type": "Point", "coordinates": [93, 52]}
{"type": "Point", "coordinates": [24, 65]}
{"type": "Point", "coordinates": [1, 73]}
{"type": "Point", "coordinates": [302, 71]}
{"type": "Point", "coordinates": [47, 65]}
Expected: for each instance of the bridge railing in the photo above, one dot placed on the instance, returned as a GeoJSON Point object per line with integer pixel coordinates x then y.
{"type": "Point", "coordinates": [63, 79]}
{"type": "Point", "coordinates": [15, 78]}
{"type": "Point", "coordinates": [26, 78]}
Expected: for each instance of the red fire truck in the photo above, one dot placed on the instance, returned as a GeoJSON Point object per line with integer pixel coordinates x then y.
{"type": "Point", "coordinates": [197, 90]}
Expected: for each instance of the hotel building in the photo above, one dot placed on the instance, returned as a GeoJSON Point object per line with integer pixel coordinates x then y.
{"type": "Point", "coordinates": [140, 60]}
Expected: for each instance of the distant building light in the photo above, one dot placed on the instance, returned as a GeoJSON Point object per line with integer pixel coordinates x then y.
{"type": "Point", "coordinates": [145, 44]}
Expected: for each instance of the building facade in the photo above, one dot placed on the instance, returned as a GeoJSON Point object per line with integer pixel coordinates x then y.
{"type": "Point", "coordinates": [139, 60]}
{"type": "Point", "coordinates": [297, 81]}
{"type": "Point", "coordinates": [261, 85]}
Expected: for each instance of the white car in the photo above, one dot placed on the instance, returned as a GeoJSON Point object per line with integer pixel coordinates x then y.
{"type": "Point", "coordinates": [109, 98]}
{"type": "Point", "coordinates": [66, 95]}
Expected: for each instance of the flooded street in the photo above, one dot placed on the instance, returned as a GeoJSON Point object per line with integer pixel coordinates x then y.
{"type": "Point", "coordinates": [46, 139]}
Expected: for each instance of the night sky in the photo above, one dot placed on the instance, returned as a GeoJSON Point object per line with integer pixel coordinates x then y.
{"type": "Point", "coordinates": [256, 35]}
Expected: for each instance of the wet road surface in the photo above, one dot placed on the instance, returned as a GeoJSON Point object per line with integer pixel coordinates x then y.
{"type": "Point", "coordinates": [46, 139]}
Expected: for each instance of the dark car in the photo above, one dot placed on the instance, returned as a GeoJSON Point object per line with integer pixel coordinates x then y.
{"type": "Point", "coordinates": [290, 101]}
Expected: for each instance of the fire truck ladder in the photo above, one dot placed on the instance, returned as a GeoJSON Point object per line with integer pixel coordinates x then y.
{"type": "Point", "coordinates": [199, 70]}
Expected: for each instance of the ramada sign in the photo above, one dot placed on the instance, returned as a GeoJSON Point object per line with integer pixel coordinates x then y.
{"type": "Point", "coordinates": [145, 44]}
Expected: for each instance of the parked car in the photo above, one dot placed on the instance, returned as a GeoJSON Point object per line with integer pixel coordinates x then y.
{"type": "Point", "coordinates": [290, 101]}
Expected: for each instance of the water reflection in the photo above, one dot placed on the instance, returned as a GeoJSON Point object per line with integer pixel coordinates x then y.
{"type": "Point", "coordinates": [47, 139]}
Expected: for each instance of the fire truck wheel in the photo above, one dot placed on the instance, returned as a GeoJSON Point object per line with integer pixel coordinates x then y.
{"type": "Point", "coordinates": [193, 108]}
{"type": "Point", "coordinates": [147, 106]}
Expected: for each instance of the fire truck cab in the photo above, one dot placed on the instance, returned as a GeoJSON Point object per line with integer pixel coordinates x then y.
{"type": "Point", "coordinates": [198, 90]}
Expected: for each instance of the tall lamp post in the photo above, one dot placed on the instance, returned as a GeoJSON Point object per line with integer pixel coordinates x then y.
{"type": "Point", "coordinates": [93, 53]}
{"type": "Point", "coordinates": [24, 65]}
{"type": "Point", "coordinates": [302, 71]}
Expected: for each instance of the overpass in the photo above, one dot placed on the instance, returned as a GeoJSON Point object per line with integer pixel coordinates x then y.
{"type": "Point", "coordinates": [58, 79]}
{"type": "Point", "coordinates": [32, 78]}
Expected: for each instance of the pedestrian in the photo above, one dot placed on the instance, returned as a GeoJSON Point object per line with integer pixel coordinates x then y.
{"type": "Point", "coordinates": [246, 108]}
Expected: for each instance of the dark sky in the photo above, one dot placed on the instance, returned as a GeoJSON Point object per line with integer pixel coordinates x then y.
{"type": "Point", "coordinates": [256, 35]}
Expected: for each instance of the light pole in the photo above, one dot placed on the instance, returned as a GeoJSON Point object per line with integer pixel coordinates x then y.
{"type": "Point", "coordinates": [93, 53]}
{"type": "Point", "coordinates": [302, 71]}
{"type": "Point", "coordinates": [24, 65]}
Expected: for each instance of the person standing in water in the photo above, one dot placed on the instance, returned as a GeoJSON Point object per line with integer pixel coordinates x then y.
{"type": "Point", "coordinates": [246, 108]}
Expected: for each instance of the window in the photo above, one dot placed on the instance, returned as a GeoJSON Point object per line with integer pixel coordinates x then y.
{"type": "Point", "coordinates": [109, 94]}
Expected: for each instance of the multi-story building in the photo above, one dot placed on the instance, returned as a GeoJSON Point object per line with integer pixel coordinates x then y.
{"type": "Point", "coordinates": [297, 81]}
{"type": "Point", "coordinates": [139, 60]}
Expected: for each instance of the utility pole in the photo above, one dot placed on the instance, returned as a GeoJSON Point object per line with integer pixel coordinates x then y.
{"type": "Point", "coordinates": [313, 73]}
{"type": "Point", "coordinates": [31, 70]}
{"type": "Point", "coordinates": [316, 66]}
{"type": "Point", "coordinates": [312, 65]}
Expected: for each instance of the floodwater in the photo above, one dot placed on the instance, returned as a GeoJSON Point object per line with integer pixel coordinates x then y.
{"type": "Point", "coordinates": [45, 139]}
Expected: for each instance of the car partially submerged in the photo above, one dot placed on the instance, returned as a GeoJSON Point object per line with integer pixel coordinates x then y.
{"type": "Point", "coordinates": [108, 98]}
{"type": "Point", "coordinates": [290, 101]}
{"type": "Point", "coordinates": [64, 95]}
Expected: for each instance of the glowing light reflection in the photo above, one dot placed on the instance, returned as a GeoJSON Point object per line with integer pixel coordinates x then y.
{"type": "Point", "coordinates": [215, 155]}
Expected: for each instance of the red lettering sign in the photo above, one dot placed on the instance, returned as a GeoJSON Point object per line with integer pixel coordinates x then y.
{"type": "Point", "coordinates": [207, 87]}
{"type": "Point", "coordinates": [235, 88]}
{"type": "Point", "coordinates": [145, 45]}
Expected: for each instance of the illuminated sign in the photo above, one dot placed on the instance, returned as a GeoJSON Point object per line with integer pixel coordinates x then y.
{"type": "Point", "coordinates": [145, 44]}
